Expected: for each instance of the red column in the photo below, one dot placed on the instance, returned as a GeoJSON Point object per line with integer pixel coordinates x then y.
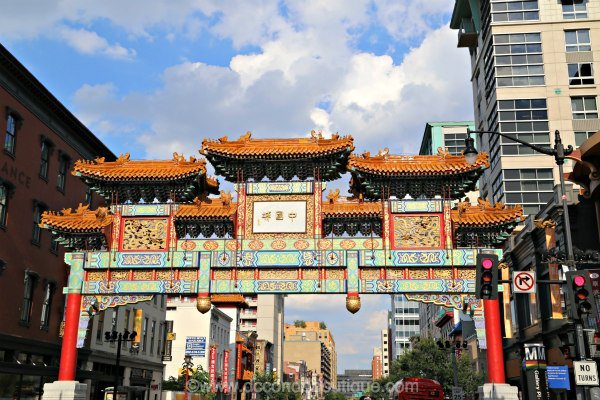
{"type": "Point", "coordinates": [493, 336]}
{"type": "Point", "coordinates": [68, 353]}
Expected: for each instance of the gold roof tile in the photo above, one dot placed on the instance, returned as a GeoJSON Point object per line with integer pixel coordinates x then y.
{"type": "Point", "coordinates": [78, 221]}
{"type": "Point", "coordinates": [283, 148]}
{"type": "Point", "coordinates": [124, 169]}
{"type": "Point", "coordinates": [221, 207]}
{"type": "Point", "coordinates": [442, 163]}
{"type": "Point", "coordinates": [484, 214]}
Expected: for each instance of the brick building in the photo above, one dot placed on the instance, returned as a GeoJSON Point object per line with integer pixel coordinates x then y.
{"type": "Point", "coordinates": [39, 139]}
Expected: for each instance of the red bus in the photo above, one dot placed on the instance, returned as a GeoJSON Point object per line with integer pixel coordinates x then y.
{"type": "Point", "coordinates": [417, 389]}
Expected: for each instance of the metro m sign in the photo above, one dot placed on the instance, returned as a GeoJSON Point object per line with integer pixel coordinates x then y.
{"type": "Point", "coordinates": [535, 352]}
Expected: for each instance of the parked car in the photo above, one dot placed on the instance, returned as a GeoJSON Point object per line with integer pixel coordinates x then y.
{"type": "Point", "coordinates": [417, 389]}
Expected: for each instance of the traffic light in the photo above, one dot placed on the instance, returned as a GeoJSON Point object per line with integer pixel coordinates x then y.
{"type": "Point", "coordinates": [486, 278]}
{"type": "Point", "coordinates": [579, 287]}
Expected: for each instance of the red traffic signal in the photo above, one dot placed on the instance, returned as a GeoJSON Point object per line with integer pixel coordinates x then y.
{"type": "Point", "coordinates": [583, 303]}
{"type": "Point", "coordinates": [486, 277]}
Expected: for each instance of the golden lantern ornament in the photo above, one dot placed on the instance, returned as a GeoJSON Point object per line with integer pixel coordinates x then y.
{"type": "Point", "coordinates": [353, 303]}
{"type": "Point", "coordinates": [203, 304]}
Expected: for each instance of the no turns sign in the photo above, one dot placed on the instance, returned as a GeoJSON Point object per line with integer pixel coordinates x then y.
{"type": "Point", "coordinates": [586, 373]}
{"type": "Point", "coordinates": [523, 282]}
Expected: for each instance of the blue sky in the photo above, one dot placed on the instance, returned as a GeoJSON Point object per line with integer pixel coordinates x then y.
{"type": "Point", "coordinates": [156, 77]}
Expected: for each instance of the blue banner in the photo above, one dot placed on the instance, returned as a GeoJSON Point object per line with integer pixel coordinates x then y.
{"type": "Point", "coordinates": [558, 377]}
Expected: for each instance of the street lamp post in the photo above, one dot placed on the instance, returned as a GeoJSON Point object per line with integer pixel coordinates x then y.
{"type": "Point", "coordinates": [187, 365]}
{"type": "Point", "coordinates": [119, 338]}
{"type": "Point", "coordinates": [453, 347]}
{"type": "Point", "coordinates": [559, 152]}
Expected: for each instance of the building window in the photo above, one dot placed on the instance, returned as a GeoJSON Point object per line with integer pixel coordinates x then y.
{"type": "Point", "coordinates": [13, 123]}
{"type": "Point", "coordinates": [574, 9]}
{"type": "Point", "coordinates": [144, 334]}
{"type": "Point", "coordinates": [526, 120]}
{"type": "Point", "coordinates": [45, 158]}
{"type": "Point", "coordinates": [29, 283]}
{"type": "Point", "coordinates": [127, 320]}
{"type": "Point", "coordinates": [3, 203]}
{"type": "Point", "coordinates": [159, 349]}
{"type": "Point", "coordinates": [578, 40]}
{"type": "Point", "coordinates": [53, 245]}
{"type": "Point", "coordinates": [581, 74]}
{"type": "Point", "coordinates": [100, 326]}
{"type": "Point", "coordinates": [519, 60]}
{"type": "Point", "coordinates": [455, 142]}
{"type": "Point", "coordinates": [581, 137]}
{"type": "Point", "coordinates": [530, 187]}
{"type": "Point", "coordinates": [514, 10]}
{"type": "Point", "coordinates": [47, 305]}
{"type": "Point", "coordinates": [152, 332]}
{"type": "Point", "coordinates": [36, 231]}
{"type": "Point", "coordinates": [63, 167]}
{"type": "Point", "coordinates": [584, 107]}
{"type": "Point", "coordinates": [115, 318]}
{"type": "Point", "coordinates": [88, 197]}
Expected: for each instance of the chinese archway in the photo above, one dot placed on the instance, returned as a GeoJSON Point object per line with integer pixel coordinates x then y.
{"type": "Point", "coordinates": [168, 229]}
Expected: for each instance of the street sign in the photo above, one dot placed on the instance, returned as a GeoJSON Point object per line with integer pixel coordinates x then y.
{"type": "Point", "coordinates": [558, 377]}
{"type": "Point", "coordinates": [457, 393]}
{"type": "Point", "coordinates": [523, 282]}
{"type": "Point", "coordinates": [195, 346]}
{"type": "Point", "coordinates": [586, 373]}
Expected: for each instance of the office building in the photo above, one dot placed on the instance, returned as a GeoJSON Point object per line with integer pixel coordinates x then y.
{"type": "Point", "coordinates": [376, 364]}
{"type": "Point", "coordinates": [354, 381]}
{"type": "Point", "coordinates": [386, 347]}
{"type": "Point", "coordinates": [305, 346]}
{"type": "Point", "coordinates": [141, 360]}
{"type": "Point", "coordinates": [404, 323]}
{"type": "Point", "coordinates": [449, 136]}
{"type": "Point", "coordinates": [264, 315]}
{"type": "Point", "coordinates": [532, 70]}
{"type": "Point", "coordinates": [40, 140]}
{"type": "Point", "coordinates": [323, 334]}
{"type": "Point", "coordinates": [197, 334]}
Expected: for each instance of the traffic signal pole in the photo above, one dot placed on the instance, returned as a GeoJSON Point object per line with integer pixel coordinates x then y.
{"type": "Point", "coordinates": [493, 337]}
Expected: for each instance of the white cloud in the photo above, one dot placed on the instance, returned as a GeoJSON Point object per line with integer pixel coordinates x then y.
{"type": "Point", "coordinates": [88, 42]}
{"type": "Point", "coordinates": [412, 18]}
{"type": "Point", "coordinates": [380, 103]}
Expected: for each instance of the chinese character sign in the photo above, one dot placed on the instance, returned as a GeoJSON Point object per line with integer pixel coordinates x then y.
{"type": "Point", "coordinates": [225, 375]}
{"type": "Point", "coordinates": [279, 217]}
{"type": "Point", "coordinates": [212, 368]}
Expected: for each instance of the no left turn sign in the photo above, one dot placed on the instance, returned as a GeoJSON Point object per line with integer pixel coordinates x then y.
{"type": "Point", "coordinates": [523, 282]}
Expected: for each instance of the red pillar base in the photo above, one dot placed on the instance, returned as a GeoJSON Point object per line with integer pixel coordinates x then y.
{"type": "Point", "coordinates": [65, 390]}
{"type": "Point", "coordinates": [493, 336]}
{"type": "Point", "coordinates": [68, 353]}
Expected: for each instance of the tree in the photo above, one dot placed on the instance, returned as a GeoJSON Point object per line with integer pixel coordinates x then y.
{"type": "Point", "coordinates": [322, 325]}
{"type": "Point", "coordinates": [467, 378]}
{"type": "Point", "coordinates": [269, 388]}
{"type": "Point", "coordinates": [199, 374]}
{"type": "Point", "coordinates": [333, 395]}
{"type": "Point", "coordinates": [299, 323]}
{"type": "Point", "coordinates": [427, 360]}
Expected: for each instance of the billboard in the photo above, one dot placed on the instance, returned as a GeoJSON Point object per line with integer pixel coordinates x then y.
{"type": "Point", "coordinates": [195, 346]}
